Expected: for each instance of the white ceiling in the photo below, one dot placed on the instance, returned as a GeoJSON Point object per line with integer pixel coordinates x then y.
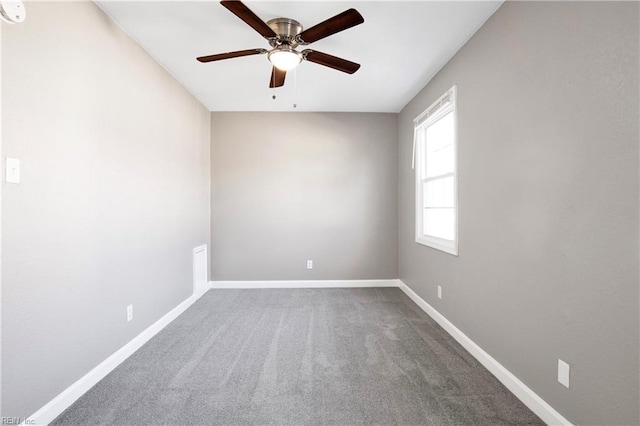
{"type": "Point", "coordinates": [400, 46]}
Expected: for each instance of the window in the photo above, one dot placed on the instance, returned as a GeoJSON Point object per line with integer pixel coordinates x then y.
{"type": "Point", "coordinates": [435, 163]}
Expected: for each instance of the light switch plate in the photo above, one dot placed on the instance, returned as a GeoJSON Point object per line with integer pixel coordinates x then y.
{"type": "Point", "coordinates": [563, 373]}
{"type": "Point", "coordinates": [12, 170]}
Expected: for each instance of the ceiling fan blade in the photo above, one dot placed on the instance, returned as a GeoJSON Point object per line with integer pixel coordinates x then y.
{"type": "Point", "coordinates": [330, 61]}
{"type": "Point", "coordinates": [229, 55]}
{"type": "Point", "coordinates": [277, 78]}
{"type": "Point", "coordinates": [243, 12]}
{"type": "Point", "coordinates": [347, 19]}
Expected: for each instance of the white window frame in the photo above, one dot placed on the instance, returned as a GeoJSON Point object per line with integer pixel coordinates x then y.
{"type": "Point", "coordinates": [445, 104]}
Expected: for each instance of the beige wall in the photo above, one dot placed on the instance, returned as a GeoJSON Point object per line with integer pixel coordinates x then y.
{"type": "Point", "coordinates": [548, 196]}
{"type": "Point", "coordinates": [288, 187]}
{"type": "Point", "coordinates": [114, 196]}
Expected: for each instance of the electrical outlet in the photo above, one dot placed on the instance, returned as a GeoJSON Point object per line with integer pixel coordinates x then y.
{"type": "Point", "coordinates": [129, 313]}
{"type": "Point", "coordinates": [12, 170]}
{"type": "Point", "coordinates": [439, 292]}
{"type": "Point", "coordinates": [563, 373]}
{"type": "Point", "coordinates": [309, 264]}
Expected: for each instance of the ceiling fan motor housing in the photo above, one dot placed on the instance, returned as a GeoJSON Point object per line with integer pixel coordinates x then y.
{"type": "Point", "coordinates": [286, 29]}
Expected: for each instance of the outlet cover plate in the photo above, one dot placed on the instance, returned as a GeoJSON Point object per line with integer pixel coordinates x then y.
{"type": "Point", "coordinates": [12, 170]}
{"type": "Point", "coordinates": [563, 373]}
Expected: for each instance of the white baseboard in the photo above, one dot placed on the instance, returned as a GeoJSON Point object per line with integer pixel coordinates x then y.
{"type": "Point", "coordinates": [57, 405]}
{"type": "Point", "coordinates": [519, 389]}
{"type": "Point", "coordinates": [305, 284]}
{"type": "Point", "coordinates": [67, 397]}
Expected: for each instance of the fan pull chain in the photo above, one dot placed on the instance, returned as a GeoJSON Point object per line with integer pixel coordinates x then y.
{"type": "Point", "coordinates": [273, 89]}
{"type": "Point", "coordinates": [295, 87]}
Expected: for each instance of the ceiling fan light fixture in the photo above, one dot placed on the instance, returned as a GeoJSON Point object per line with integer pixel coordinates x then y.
{"type": "Point", "coordinates": [284, 58]}
{"type": "Point", "coordinates": [284, 35]}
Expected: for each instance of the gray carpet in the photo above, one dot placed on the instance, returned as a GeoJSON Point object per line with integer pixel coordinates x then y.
{"type": "Point", "coordinates": [300, 356]}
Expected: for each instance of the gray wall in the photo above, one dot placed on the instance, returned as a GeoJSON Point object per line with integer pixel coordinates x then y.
{"type": "Point", "coordinates": [548, 195]}
{"type": "Point", "coordinates": [1, 171]}
{"type": "Point", "coordinates": [114, 196]}
{"type": "Point", "coordinates": [287, 187]}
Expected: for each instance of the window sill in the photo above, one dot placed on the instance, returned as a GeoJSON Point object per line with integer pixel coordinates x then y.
{"type": "Point", "coordinates": [447, 246]}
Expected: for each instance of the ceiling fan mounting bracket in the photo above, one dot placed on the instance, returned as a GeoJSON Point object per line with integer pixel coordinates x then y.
{"type": "Point", "coordinates": [286, 29]}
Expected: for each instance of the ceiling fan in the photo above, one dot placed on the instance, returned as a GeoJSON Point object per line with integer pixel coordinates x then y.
{"type": "Point", "coordinates": [285, 35]}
